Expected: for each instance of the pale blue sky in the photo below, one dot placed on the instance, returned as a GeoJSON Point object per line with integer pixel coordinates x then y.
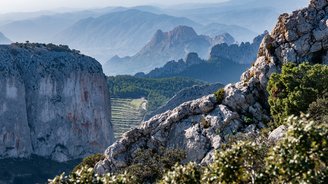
{"type": "Point", "coordinates": [35, 5]}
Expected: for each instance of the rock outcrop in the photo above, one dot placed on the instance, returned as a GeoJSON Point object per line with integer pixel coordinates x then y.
{"type": "Point", "coordinates": [54, 103]}
{"type": "Point", "coordinates": [187, 94]}
{"type": "Point", "coordinates": [200, 126]}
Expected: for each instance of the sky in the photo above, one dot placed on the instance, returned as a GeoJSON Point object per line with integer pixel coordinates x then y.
{"type": "Point", "coordinates": [7, 6]}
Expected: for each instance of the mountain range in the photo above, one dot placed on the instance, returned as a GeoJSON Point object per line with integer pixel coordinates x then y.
{"type": "Point", "coordinates": [225, 64]}
{"type": "Point", "coordinates": [166, 46]}
{"type": "Point", "coordinates": [244, 53]}
{"type": "Point", "coordinates": [106, 32]}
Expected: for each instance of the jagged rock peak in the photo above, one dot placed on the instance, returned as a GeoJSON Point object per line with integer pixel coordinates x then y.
{"type": "Point", "coordinates": [54, 103]}
{"type": "Point", "coordinates": [298, 37]}
{"type": "Point", "coordinates": [182, 33]}
{"type": "Point", "coordinates": [177, 35]}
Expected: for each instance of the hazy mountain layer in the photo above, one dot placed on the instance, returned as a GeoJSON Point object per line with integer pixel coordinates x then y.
{"type": "Point", "coordinates": [4, 39]}
{"type": "Point", "coordinates": [163, 47]}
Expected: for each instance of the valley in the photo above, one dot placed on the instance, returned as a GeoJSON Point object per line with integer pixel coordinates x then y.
{"type": "Point", "coordinates": [127, 114]}
{"type": "Point", "coordinates": [172, 92]}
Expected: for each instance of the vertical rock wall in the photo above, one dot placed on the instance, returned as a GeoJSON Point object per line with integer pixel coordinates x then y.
{"type": "Point", "coordinates": [61, 99]}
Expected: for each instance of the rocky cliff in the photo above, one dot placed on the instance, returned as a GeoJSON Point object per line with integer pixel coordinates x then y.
{"type": "Point", "coordinates": [54, 103]}
{"type": "Point", "coordinates": [200, 126]}
{"type": "Point", "coordinates": [185, 95]}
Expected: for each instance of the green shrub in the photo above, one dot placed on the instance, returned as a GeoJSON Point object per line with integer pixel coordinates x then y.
{"type": "Point", "coordinates": [302, 155]}
{"type": "Point", "coordinates": [219, 95]}
{"type": "Point", "coordinates": [319, 109]}
{"type": "Point", "coordinates": [89, 161]}
{"type": "Point", "coordinates": [238, 164]}
{"type": "Point", "coordinates": [150, 165]}
{"type": "Point", "coordinates": [292, 91]}
{"type": "Point", "coordinates": [188, 174]}
{"type": "Point", "coordinates": [87, 175]}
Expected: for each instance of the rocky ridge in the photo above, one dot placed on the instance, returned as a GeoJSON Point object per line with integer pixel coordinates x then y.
{"type": "Point", "coordinates": [185, 95]}
{"type": "Point", "coordinates": [200, 126]}
{"type": "Point", "coordinates": [54, 103]}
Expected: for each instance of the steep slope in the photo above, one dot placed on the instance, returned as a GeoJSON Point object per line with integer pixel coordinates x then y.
{"type": "Point", "coordinates": [166, 46]}
{"type": "Point", "coordinates": [4, 39]}
{"type": "Point", "coordinates": [200, 126]}
{"type": "Point", "coordinates": [54, 103]}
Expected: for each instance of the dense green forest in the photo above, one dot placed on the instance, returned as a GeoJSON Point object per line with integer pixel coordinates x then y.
{"type": "Point", "coordinates": [156, 91]}
{"type": "Point", "coordinates": [298, 96]}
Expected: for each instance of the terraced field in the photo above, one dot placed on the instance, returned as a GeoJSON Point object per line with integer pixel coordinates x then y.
{"type": "Point", "coordinates": [127, 114]}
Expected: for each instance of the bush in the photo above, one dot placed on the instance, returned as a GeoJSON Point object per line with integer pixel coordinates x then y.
{"type": "Point", "coordinates": [188, 174]}
{"type": "Point", "coordinates": [292, 91]}
{"type": "Point", "coordinates": [150, 165]}
{"type": "Point", "coordinates": [87, 175]}
{"type": "Point", "coordinates": [319, 109]}
{"type": "Point", "coordinates": [302, 155]}
{"type": "Point", "coordinates": [238, 164]}
{"type": "Point", "coordinates": [219, 95]}
{"type": "Point", "coordinates": [89, 161]}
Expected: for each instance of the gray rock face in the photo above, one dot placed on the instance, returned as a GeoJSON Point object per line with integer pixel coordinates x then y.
{"type": "Point", "coordinates": [54, 103]}
{"type": "Point", "coordinates": [277, 133]}
{"type": "Point", "coordinates": [203, 124]}
{"type": "Point", "coordinates": [185, 95]}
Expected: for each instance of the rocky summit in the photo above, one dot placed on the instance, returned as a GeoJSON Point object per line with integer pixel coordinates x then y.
{"type": "Point", "coordinates": [202, 125]}
{"type": "Point", "coordinates": [54, 103]}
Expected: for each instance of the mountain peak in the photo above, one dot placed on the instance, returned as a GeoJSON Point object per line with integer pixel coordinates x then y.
{"type": "Point", "coordinates": [182, 33]}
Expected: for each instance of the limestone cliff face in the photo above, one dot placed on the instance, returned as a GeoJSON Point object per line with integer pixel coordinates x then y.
{"type": "Point", "coordinates": [55, 103]}
{"type": "Point", "coordinates": [200, 126]}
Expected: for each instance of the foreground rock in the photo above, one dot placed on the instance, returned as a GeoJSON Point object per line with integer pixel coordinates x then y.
{"type": "Point", "coordinates": [54, 103]}
{"type": "Point", "coordinates": [200, 126]}
{"type": "Point", "coordinates": [185, 95]}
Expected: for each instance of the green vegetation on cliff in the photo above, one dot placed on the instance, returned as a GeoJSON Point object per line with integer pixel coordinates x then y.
{"type": "Point", "coordinates": [292, 91]}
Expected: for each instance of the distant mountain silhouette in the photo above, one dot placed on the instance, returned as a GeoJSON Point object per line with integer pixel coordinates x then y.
{"type": "Point", "coordinates": [225, 64]}
{"type": "Point", "coordinates": [121, 33]}
{"type": "Point", "coordinates": [165, 46]}
{"type": "Point", "coordinates": [244, 53]}
{"type": "Point", "coordinates": [220, 70]}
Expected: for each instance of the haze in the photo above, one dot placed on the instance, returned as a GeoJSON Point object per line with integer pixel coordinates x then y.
{"type": "Point", "coordinates": [7, 6]}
